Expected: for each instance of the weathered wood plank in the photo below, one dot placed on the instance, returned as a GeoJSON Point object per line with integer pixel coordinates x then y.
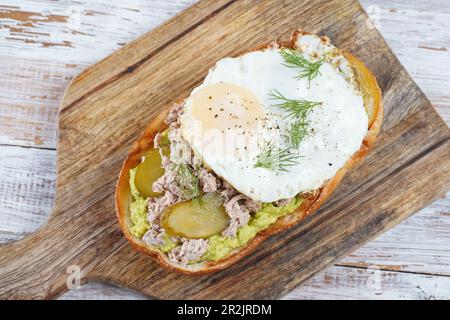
{"type": "Point", "coordinates": [372, 284]}
{"type": "Point", "coordinates": [419, 244]}
{"type": "Point", "coordinates": [102, 291]}
{"type": "Point", "coordinates": [419, 34]}
{"type": "Point", "coordinates": [27, 188]}
{"type": "Point", "coordinates": [30, 93]}
{"type": "Point", "coordinates": [73, 31]}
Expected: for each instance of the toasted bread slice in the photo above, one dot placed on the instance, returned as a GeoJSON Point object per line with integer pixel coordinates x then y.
{"type": "Point", "coordinates": [373, 104]}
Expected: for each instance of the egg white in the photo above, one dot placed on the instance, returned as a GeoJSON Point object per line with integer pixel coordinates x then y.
{"type": "Point", "coordinates": [337, 127]}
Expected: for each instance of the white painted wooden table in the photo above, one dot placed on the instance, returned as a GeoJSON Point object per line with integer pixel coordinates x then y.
{"type": "Point", "coordinates": [45, 43]}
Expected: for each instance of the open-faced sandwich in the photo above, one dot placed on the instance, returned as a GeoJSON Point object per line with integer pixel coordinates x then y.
{"type": "Point", "coordinates": [254, 149]}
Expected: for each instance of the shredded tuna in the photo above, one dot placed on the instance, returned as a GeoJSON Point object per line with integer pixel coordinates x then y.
{"type": "Point", "coordinates": [239, 209]}
{"type": "Point", "coordinates": [208, 181]}
{"type": "Point", "coordinates": [157, 141]}
{"type": "Point", "coordinates": [168, 182]}
{"type": "Point", "coordinates": [181, 151]}
{"type": "Point", "coordinates": [165, 162]}
{"type": "Point", "coordinates": [154, 236]}
{"type": "Point", "coordinates": [161, 184]}
{"type": "Point", "coordinates": [227, 191]}
{"type": "Point", "coordinates": [252, 205]}
{"type": "Point", "coordinates": [157, 205]}
{"type": "Point", "coordinates": [190, 250]}
{"type": "Point", "coordinates": [174, 113]}
{"type": "Point", "coordinates": [231, 230]}
{"type": "Point", "coordinates": [282, 202]}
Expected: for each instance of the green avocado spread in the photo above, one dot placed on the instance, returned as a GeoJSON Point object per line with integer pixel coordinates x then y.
{"type": "Point", "coordinates": [138, 209]}
{"type": "Point", "coordinates": [219, 246]}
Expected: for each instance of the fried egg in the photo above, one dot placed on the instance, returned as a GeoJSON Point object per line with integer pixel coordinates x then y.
{"type": "Point", "coordinates": [232, 117]}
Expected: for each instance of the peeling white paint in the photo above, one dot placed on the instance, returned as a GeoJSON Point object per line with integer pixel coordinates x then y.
{"type": "Point", "coordinates": [90, 30]}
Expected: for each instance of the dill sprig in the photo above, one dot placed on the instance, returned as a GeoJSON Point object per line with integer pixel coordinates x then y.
{"type": "Point", "coordinates": [200, 202]}
{"type": "Point", "coordinates": [298, 132]}
{"type": "Point", "coordinates": [294, 59]}
{"type": "Point", "coordinates": [189, 182]}
{"type": "Point", "coordinates": [296, 108]}
{"type": "Point", "coordinates": [276, 159]}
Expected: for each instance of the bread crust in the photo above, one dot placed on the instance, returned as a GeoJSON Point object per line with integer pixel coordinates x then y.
{"type": "Point", "coordinates": [373, 103]}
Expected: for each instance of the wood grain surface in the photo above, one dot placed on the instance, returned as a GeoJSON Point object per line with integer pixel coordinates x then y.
{"type": "Point", "coordinates": [41, 177]}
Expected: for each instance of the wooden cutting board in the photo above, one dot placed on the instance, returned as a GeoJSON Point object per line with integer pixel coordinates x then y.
{"type": "Point", "coordinates": [107, 107]}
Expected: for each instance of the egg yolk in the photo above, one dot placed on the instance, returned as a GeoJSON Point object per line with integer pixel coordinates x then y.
{"type": "Point", "coordinates": [226, 106]}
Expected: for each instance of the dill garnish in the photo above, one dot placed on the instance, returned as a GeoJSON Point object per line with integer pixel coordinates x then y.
{"type": "Point", "coordinates": [298, 132]}
{"type": "Point", "coordinates": [188, 181]}
{"type": "Point", "coordinates": [296, 108]}
{"type": "Point", "coordinates": [276, 159]}
{"type": "Point", "coordinates": [294, 59]}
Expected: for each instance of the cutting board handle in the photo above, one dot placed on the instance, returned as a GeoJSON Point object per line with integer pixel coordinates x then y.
{"type": "Point", "coordinates": [38, 266]}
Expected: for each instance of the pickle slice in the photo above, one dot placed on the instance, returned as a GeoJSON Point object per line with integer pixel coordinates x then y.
{"type": "Point", "coordinates": [147, 172]}
{"type": "Point", "coordinates": [164, 144]}
{"type": "Point", "coordinates": [197, 218]}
